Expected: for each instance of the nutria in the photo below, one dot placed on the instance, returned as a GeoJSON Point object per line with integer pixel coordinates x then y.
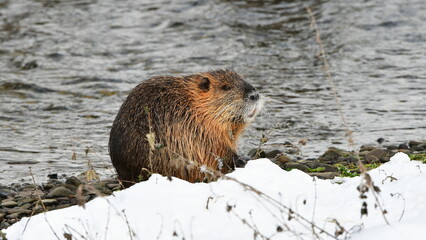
{"type": "Point", "coordinates": [180, 126]}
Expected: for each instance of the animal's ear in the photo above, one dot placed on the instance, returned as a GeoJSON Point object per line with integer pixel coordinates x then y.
{"type": "Point", "coordinates": [204, 84]}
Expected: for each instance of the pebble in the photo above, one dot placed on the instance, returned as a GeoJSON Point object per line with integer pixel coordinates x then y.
{"type": "Point", "coordinates": [333, 155]}
{"type": "Point", "coordinates": [59, 192]}
{"type": "Point", "coordinates": [378, 156]}
{"type": "Point", "coordinates": [19, 211]}
{"type": "Point", "coordinates": [392, 147]}
{"type": "Point", "coordinates": [403, 146]}
{"type": "Point", "coordinates": [52, 176]}
{"type": "Point", "coordinates": [420, 147]}
{"type": "Point", "coordinates": [5, 192]}
{"type": "Point", "coordinates": [273, 154]}
{"type": "Point", "coordinates": [9, 204]}
{"type": "Point", "coordinates": [49, 202]}
{"type": "Point", "coordinates": [24, 201]}
{"type": "Point", "coordinates": [256, 153]}
{"type": "Point", "coordinates": [367, 147]}
{"type": "Point", "coordinates": [414, 144]}
{"type": "Point", "coordinates": [73, 181]}
{"type": "Point", "coordinates": [282, 159]}
{"type": "Point", "coordinates": [296, 165]}
{"type": "Point", "coordinates": [324, 175]}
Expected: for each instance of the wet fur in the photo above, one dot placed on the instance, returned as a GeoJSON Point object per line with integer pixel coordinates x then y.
{"type": "Point", "coordinates": [194, 123]}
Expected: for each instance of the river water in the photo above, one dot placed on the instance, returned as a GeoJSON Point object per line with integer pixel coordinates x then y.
{"type": "Point", "coordinates": [67, 65]}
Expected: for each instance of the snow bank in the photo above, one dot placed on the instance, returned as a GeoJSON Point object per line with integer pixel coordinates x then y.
{"type": "Point", "coordinates": [228, 209]}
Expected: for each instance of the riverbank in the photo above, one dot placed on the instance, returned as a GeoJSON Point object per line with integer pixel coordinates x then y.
{"type": "Point", "coordinates": [20, 200]}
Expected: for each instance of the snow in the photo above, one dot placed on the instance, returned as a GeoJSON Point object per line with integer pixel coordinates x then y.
{"type": "Point", "coordinates": [251, 203]}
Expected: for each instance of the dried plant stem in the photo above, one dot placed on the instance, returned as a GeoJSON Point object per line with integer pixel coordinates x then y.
{"type": "Point", "coordinates": [39, 201]}
{"type": "Point", "coordinates": [251, 226]}
{"type": "Point", "coordinates": [326, 69]}
{"type": "Point", "coordinates": [278, 204]}
{"type": "Point", "coordinates": [131, 232]}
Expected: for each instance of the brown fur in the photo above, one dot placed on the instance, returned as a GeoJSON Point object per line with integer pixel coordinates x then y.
{"type": "Point", "coordinates": [196, 121]}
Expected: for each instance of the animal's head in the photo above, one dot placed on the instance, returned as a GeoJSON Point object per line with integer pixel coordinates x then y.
{"type": "Point", "coordinates": [226, 96]}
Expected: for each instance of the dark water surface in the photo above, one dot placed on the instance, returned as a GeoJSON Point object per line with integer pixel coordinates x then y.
{"type": "Point", "coordinates": [67, 65]}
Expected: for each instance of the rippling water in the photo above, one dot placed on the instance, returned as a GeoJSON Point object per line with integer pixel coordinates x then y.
{"type": "Point", "coordinates": [67, 65]}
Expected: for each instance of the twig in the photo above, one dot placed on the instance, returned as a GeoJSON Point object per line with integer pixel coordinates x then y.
{"type": "Point", "coordinates": [68, 227]}
{"type": "Point", "coordinates": [244, 221]}
{"type": "Point", "coordinates": [403, 199]}
{"type": "Point", "coordinates": [326, 69]}
{"type": "Point", "coordinates": [131, 232]}
{"type": "Point", "coordinates": [161, 227]}
{"type": "Point", "coordinates": [275, 203]}
{"type": "Point", "coordinates": [107, 223]}
{"type": "Point", "coordinates": [278, 205]}
{"type": "Point", "coordinates": [51, 228]}
{"type": "Point", "coordinates": [38, 201]}
{"type": "Point", "coordinates": [315, 205]}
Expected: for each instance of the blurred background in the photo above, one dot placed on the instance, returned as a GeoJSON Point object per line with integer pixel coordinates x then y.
{"type": "Point", "coordinates": [66, 66]}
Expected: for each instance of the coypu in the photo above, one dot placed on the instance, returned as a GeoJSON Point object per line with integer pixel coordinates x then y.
{"type": "Point", "coordinates": [177, 126]}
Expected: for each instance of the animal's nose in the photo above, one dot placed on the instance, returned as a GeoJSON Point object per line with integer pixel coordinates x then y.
{"type": "Point", "coordinates": [253, 96]}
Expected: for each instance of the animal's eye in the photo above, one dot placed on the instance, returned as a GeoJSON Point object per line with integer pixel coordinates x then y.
{"type": "Point", "coordinates": [226, 87]}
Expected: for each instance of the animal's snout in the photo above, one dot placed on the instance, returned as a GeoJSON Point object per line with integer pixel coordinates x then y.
{"type": "Point", "coordinates": [253, 95]}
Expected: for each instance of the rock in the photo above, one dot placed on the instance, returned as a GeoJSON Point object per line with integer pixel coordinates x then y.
{"type": "Point", "coordinates": [349, 160]}
{"type": "Point", "coordinates": [30, 192]}
{"type": "Point", "coordinates": [54, 182]}
{"type": "Point", "coordinates": [24, 201]}
{"type": "Point", "coordinates": [4, 225]}
{"type": "Point", "coordinates": [273, 154]}
{"type": "Point", "coordinates": [52, 176]}
{"type": "Point", "coordinates": [73, 181]}
{"type": "Point", "coordinates": [63, 206]}
{"type": "Point", "coordinates": [49, 202]}
{"type": "Point", "coordinates": [282, 159]}
{"type": "Point", "coordinates": [63, 200]}
{"type": "Point", "coordinates": [333, 155]}
{"type": "Point", "coordinates": [367, 147]}
{"type": "Point", "coordinates": [19, 211]}
{"type": "Point", "coordinates": [26, 206]}
{"type": "Point", "coordinates": [324, 175]}
{"type": "Point", "coordinates": [381, 140]}
{"type": "Point", "coordinates": [325, 166]}
{"type": "Point", "coordinates": [413, 144]}
{"type": "Point", "coordinates": [6, 192]}
{"type": "Point", "coordinates": [17, 215]}
{"type": "Point", "coordinates": [392, 147]}
{"type": "Point", "coordinates": [403, 146]}
{"type": "Point", "coordinates": [101, 186]}
{"type": "Point", "coordinates": [378, 155]}
{"type": "Point", "coordinates": [113, 186]}
{"type": "Point", "coordinates": [9, 204]}
{"type": "Point", "coordinates": [256, 153]}
{"type": "Point", "coordinates": [71, 187]}
{"type": "Point", "coordinates": [420, 147]}
{"type": "Point", "coordinates": [292, 151]}
{"type": "Point", "coordinates": [296, 165]}
{"type": "Point", "coordinates": [406, 151]}
{"type": "Point", "coordinates": [239, 163]}
{"type": "Point", "coordinates": [59, 192]}
{"type": "Point", "coordinates": [2, 216]}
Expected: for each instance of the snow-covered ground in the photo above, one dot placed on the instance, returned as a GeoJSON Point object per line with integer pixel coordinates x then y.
{"type": "Point", "coordinates": [254, 203]}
